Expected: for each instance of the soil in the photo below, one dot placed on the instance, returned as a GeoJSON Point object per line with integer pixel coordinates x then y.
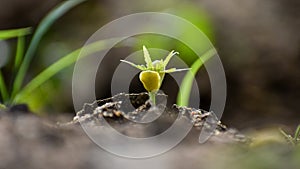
{"type": "Point", "coordinates": [28, 141]}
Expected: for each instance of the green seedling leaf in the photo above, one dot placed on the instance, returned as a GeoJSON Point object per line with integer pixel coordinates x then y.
{"type": "Point", "coordinates": [153, 73]}
{"type": "Point", "coordinates": [174, 70]}
{"type": "Point", "coordinates": [168, 58]}
{"type": "Point", "coordinates": [141, 67]}
{"type": "Point", "coordinates": [147, 58]}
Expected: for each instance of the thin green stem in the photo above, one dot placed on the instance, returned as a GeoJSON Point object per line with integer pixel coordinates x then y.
{"type": "Point", "coordinates": [186, 85]}
{"type": "Point", "coordinates": [152, 96]}
{"type": "Point", "coordinates": [297, 134]}
{"type": "Point", "coordinates": [19, 52]}
{"type": "Point", "coordinates": [3, 89]}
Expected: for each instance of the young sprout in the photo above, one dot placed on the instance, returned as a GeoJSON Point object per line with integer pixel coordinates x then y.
{"type": "Point", "coordinates": [152, 74]}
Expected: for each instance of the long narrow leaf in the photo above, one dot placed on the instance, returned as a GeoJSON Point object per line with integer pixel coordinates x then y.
{"type": "Point", "coordinates": [297, 134]}
{"type": "Point", "coordinates": [141, 67]}
{"type": "Point", "coordinates": [186, 85]}
{"type": "Point", "coordinates": [171, 70]}
{"type": "Point", "coordinates": [57, 67]}
{"type": "Point", "coordinates": [19, 52]}
{"type": "Point", "coordinates": [40, 31]}
{"type": "Point", "coordinates": [12, 33]}
{"type": "Point", "coordinates": [289, 138]}
{"type": "Point", "coordinates": [3, 89]}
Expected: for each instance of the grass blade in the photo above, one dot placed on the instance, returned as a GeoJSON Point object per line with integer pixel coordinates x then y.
{"type": "Point", "coordinates": [12, 33]}
{"type": "Point", "coordinates": [289, 138]}
{"type": "Point", "coordinates": [297, 134]}
{"type": "Point", "coordinates": [3, 89]}
{"type": "Point", "coordinates": [40, 31]}
{"type": "Point", "coordinates": [19, 52]}
{"type": "Point", "coordinates": [186, 85]}
{"type": "Point", "coordinates": [57, 67]}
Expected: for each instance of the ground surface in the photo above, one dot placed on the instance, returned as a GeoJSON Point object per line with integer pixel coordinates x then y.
{"type": "Point", "coordinates": [28, 142]}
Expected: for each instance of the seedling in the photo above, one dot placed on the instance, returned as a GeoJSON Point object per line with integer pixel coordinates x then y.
{"type": "Point", "coordinates": [152, 74]}
{"type": "Point", "coordinates": [294, 140]}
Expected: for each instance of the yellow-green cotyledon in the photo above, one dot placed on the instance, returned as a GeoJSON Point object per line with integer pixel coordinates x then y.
{"type": "Point", "coordinates": [152, 74]}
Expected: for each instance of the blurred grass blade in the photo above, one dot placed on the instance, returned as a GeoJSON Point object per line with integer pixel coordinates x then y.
{"type": "Point", "coordinates": [297, 134]}
{"type": "Point", "coordinates": [12, 33]}
{"type": "Point", "coordinates": [186, 85]}
{"type": "Point", "coordinates": [19, 52]}
{"type": "Point", "coordinates": [3, 89]}
{"type": "Point", "coordinates": [57, 67]}
{"type": "Point", "coordinates": [40, 31]}
{"type": "Point", "coordinates": [289, 138]}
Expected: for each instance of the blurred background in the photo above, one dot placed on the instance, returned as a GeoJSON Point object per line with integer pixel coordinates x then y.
{"type": "Point", "coordinates": [257, 41]}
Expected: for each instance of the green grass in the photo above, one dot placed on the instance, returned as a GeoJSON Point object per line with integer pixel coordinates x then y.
{"type": "Point", "coordinates": [24, 57]}
{"type": "Point", "coordinates": [8, 34]}
{"type": "Point", "coordinates": [56, 67]}
{"type": "Point", "coordinates": [19, 52]}
{"type": "Point", "coordinates": [3, 88]}
{"type": "Point", "coordinates": [39, 33]}
{"type": "Point", "coordinates": [187, 82]}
